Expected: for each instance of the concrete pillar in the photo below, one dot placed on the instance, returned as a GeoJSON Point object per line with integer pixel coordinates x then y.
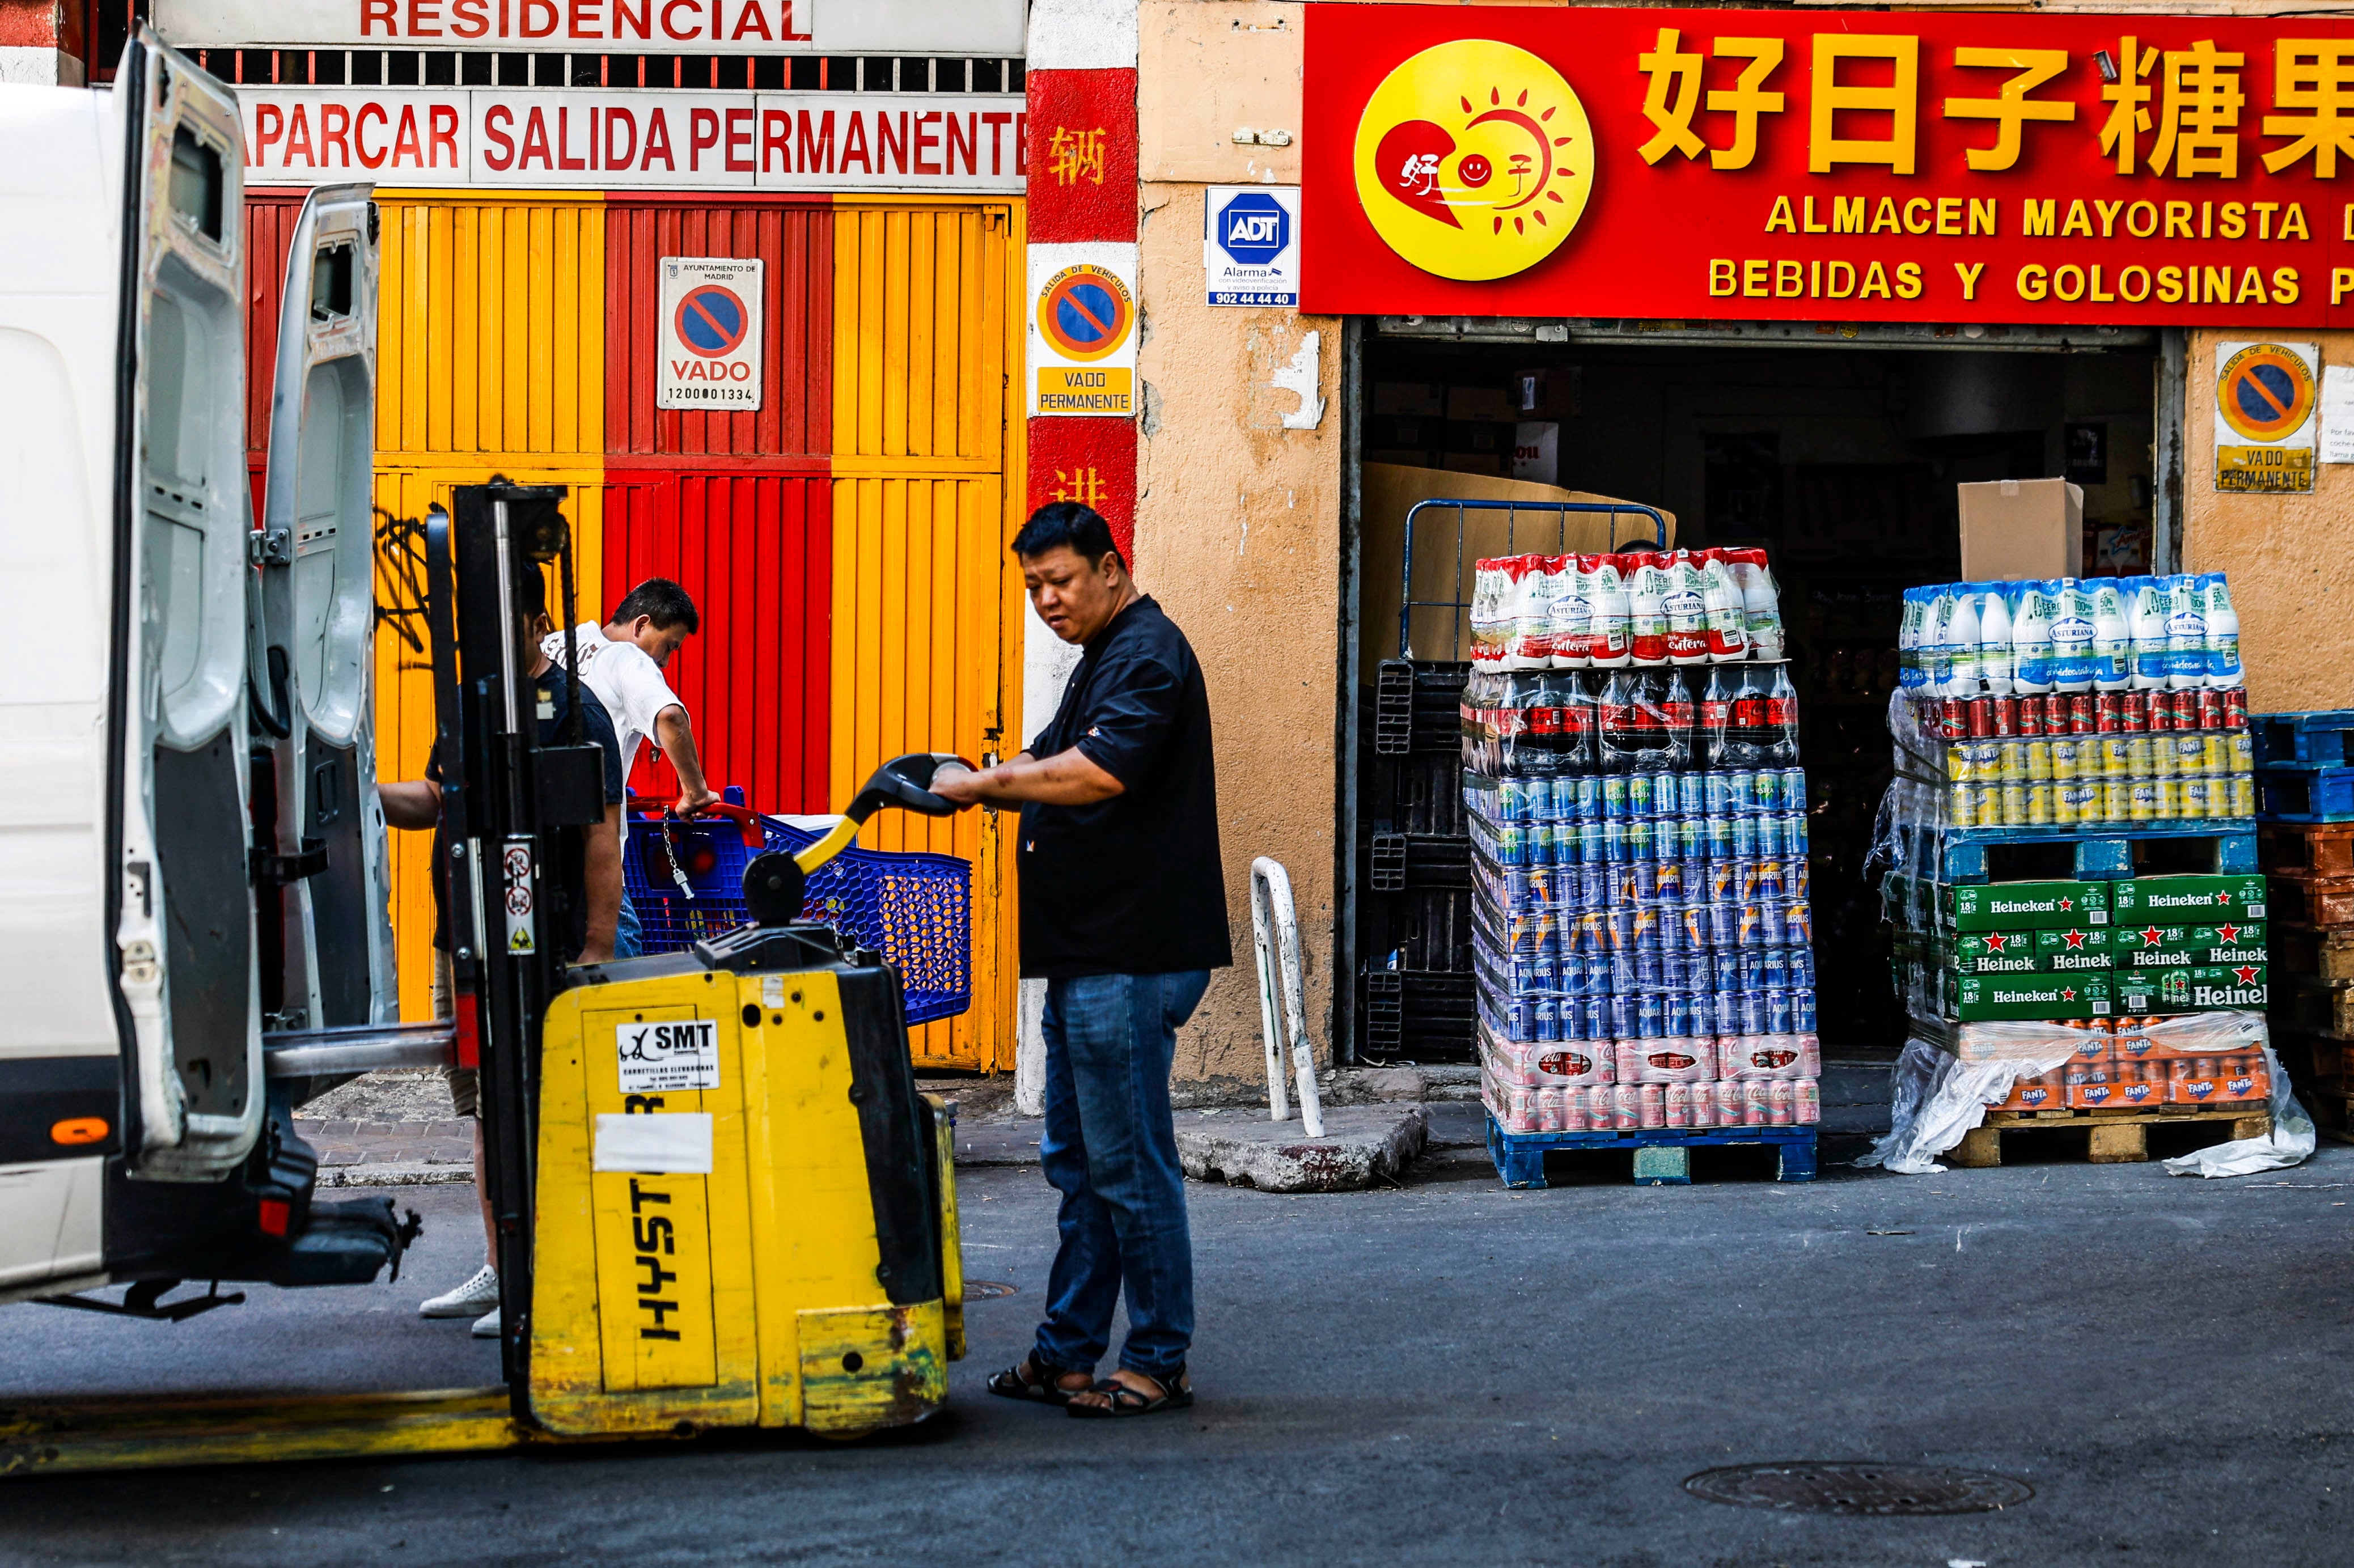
{"type": "Point", "coordinates": [41, 43]}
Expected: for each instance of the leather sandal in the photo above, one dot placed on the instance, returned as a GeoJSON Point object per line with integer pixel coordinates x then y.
{"type": "Point", "coordinates": [1014, 1383]}
{"type": "Point", "coordinates": [1176, 1393]}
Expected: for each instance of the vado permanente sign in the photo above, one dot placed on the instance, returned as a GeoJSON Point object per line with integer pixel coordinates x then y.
{"type": "Point", "coordinates": [1757, 164]}
{"type": "Point", "coordinates": [625, 139]}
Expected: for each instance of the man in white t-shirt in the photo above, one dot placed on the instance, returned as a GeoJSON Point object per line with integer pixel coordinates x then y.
{"type": "Point", "coordinates": [622, 662]}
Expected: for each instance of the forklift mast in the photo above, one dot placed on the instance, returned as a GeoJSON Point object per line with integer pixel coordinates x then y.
{"type": "Point", "coordinates": [507, 797]}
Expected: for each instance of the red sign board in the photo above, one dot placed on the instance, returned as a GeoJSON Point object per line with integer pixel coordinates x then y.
{"type": "Point", "coordinates": [1986, 166]}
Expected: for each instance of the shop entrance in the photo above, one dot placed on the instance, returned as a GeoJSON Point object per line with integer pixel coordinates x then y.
{"type": "Point", "coordinates": [1837, 450]}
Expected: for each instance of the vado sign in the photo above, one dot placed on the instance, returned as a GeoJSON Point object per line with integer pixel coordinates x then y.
{"type": "Point", "coordinates": [710, 333]}
{"type": "Point", "coordinates": [622, 139]}
{"type": "Point", "coordinates": [1747, 165]}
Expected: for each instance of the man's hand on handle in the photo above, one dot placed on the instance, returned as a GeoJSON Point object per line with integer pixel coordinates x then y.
{"type": "Point", "coordinates": [1068, 779]}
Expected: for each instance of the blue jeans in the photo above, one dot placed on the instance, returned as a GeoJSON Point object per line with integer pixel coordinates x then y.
{"type": "Point", "coordinates": [1110, 1148]}
{"type": "Point", "coordinates": [629, 937]}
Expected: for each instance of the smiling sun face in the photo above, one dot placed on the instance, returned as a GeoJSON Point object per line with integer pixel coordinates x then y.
{"type": "Point", "coordinates": [1474, 160]}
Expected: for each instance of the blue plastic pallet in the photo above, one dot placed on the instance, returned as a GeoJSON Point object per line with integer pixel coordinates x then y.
{"type": "Point", "coordinates": [1663, 1158]}
{"type": "Point", "coordinates": [2289, 793]}
{"type": "Point", "coordinates": [2102, 855]}
{"type": "Point", "coordinates": [2324, 739]}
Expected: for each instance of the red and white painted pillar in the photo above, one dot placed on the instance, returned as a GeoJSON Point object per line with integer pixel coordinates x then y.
{"type": "Point", "coordinates": [1082, 328]}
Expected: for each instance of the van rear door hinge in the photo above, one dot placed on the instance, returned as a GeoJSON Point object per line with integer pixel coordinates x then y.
{"type": "Point", "coordinates": [270, 546]}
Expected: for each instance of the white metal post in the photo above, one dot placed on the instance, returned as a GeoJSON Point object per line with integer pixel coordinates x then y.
{"type": "Point", "coordinates": [1274, 926]}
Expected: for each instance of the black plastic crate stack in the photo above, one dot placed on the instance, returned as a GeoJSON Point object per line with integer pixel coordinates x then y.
{"type": "Point", "coordinates": [1414, 869]}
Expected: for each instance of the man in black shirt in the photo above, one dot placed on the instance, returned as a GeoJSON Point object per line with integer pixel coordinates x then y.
{"type": "Point", "coordinates": [1124, 916]}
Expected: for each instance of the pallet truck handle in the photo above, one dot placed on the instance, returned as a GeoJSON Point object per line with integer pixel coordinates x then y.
{"type": "Point", "coordinates": [905, 782]}
{"type": "Point", "coordinates": [747, 821]}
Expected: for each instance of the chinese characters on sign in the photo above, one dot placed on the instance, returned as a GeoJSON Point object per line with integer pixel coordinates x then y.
{"type": "Point", "coordinates": [1986, 167]}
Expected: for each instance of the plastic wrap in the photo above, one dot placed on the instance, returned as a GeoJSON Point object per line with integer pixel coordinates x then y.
{"type": "Point", "coordinates": [1951, 1075]}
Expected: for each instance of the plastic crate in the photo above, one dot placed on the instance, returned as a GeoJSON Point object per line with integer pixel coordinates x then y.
{"type": "Point", "coordinates": [915, 909]}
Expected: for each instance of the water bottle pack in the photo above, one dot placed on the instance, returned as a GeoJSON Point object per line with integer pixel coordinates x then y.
{"type": "Point", "coordinates": [2069, 634]}
{"type": "Point", "coordinates": [1639, 608]}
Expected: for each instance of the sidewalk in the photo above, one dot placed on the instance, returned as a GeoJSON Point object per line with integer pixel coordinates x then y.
{"type": "Point", "coordinates": [395, 1128]}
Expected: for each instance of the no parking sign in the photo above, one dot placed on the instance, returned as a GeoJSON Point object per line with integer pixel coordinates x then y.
{"type": "Point", "coordinates": [711, 334]}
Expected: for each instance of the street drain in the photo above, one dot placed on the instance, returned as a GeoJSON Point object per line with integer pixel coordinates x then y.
{"type": "Point", "coordinates": [987, 1289]}
{"type": "Point", "coordinates": [1817, 1486]}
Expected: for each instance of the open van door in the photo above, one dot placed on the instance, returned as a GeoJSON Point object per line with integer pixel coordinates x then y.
{"type": "Point", "coordinates": [181, 891]}
{"type": "Point", "coordinates": [327, 934]}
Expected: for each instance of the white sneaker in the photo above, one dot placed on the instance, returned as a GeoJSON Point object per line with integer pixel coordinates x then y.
{"type": "Point", "coordinates": [486, 1327]}
{"type": "Point", "coordinates": [468, 1300]}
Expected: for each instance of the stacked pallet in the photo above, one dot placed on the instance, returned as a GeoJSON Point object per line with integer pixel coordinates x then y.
{"type": "Point", "coordinates": [2305, 843]}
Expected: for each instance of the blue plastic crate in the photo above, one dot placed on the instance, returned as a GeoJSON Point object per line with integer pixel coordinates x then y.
{"type": "Point", "coordinates": [2303, 740]}
{"type": "Point", "coordinates": [915, 909]}
{"type": "Point", "coordinates": [2291, 794]}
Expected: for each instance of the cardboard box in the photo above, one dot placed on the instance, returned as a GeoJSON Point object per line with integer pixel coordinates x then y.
{"type": "Point", "coordinates": [1985, 998]}
{"type": "Point", "coordinates": [2188, 900]}
{"type": "Point", "coordinates": [2022, 529]}
{"type": "Point", "coordinates": [2024, 905]}
{"type": "Point", "coordinates": [2076, 948]}
{"type": "Point", "coordinates": [1991, 953]}
{"type": "Point", "coordinates": [1441, 575]}
{"type": "Point", "coordinates": [1483, 403]}
{"type": "Point", "coordinates": [1415, 399]}
{"type": "Point", "coordinates": [2200, 988]}
{"type": "Point", "coordinates": [2182, 947]}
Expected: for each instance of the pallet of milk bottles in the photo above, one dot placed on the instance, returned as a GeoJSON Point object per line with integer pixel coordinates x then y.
{"type": "Point", "coordinates": [1642, 929]}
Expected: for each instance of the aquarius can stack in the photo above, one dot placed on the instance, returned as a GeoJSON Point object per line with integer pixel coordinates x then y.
{"type": "Point", "coordinates": [1642, 929]}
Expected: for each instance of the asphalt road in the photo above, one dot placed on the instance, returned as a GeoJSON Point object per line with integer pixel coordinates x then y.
{"type": "Point", "coordinates": [1442, 1373]}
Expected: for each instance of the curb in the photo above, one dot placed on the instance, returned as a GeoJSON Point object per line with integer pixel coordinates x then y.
{"type": "Point", "coordinates": [398, 1174]}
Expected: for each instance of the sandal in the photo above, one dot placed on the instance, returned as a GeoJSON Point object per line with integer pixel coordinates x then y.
{"type": "Point", "coordinates": [1014, 1384]}
{"type": "Point", "coordinates": [1176, 1393]}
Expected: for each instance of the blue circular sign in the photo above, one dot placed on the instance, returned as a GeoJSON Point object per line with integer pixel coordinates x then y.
{"type": "Point", "coordinates": [711, 321]}
{"type": "Point", "coordinates": [1253, 228]}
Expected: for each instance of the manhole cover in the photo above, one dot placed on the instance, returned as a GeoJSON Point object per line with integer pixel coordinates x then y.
{"type": "Point", "coordinates": [1856, 1487]}
{"type": "Point", "coordinates": [987, 1289]}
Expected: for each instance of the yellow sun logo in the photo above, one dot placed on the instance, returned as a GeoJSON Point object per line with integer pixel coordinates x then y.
{"type": "Point", "coordinates": [1474, 160]}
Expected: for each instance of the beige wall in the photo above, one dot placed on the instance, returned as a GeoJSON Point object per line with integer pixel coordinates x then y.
{"type": "Point", "coordinates": [2291, 558]}
{"type": "Point", "coordinates": [1237, 525]}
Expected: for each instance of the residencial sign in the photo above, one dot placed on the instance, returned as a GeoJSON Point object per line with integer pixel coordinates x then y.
{"type": "Point", "coordinates": [711, 334]}
{"type": "Point", "coordinates": [2264, 423]}
{"type": "Point", "coordinates": [1250, 244]}
{"type": "Point", "coordinates": [1083, 329]}
{"type": "Point", "coordinates": [641, 26]}
{"type": "Point", "coordinates": [634, 139]}
{"type": "Point", "coordinates": [1981, 166]}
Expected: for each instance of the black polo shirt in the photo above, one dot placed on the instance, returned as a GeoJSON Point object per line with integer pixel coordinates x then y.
{"type": "Point", "coordinates": [1133, 884]}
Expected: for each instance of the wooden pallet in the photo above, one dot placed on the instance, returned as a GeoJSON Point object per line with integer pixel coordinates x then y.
{"type": "Point", "coordinates": [2313, 1005]}
{"type": "Point", "coordinates": [2112, 1138]}
{"type": "Point", "coordinates": [2324, 952]}
{"type": "Point", "coordinates": [2312, 900]}
{"type": "Point", "coordinates": [2333, 1114]}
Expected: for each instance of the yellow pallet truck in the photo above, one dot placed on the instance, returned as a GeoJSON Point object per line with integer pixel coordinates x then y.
{"type": "Point", "coordinates": [721, 1201]}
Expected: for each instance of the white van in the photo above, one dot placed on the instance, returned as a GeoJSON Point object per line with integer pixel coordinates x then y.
{"type": "Point", "coordinates": [191, 854]}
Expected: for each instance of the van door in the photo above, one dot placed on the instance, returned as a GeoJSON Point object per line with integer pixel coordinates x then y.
{"type": "Point", "coordinates": [183, 912]}
{"type": "Point", "coordinates": [333, 963]}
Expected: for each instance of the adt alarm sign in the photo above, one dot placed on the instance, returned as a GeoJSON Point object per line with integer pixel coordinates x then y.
{"type": "Point", "coordinates": [1250, 245]}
